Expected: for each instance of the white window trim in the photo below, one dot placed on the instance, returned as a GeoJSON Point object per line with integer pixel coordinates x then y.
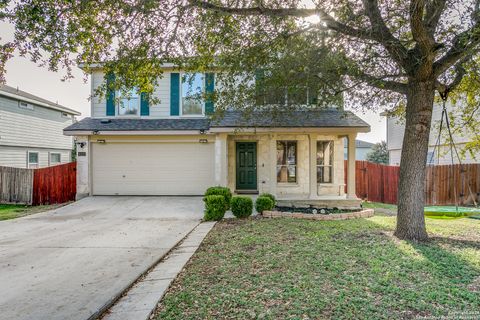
{"type": "Point", "coordinates": [181, 97]}
{"type": "Point", "coordinates": [50, 158]}
{"type": "Point", "coordinates": [332, 166]}
{"type": "Point", "coordinates": [28, 160]}
{"type": "Point", "coordinates": [287, 183]}
{"type": "Point", "coordinates": [118, 97]}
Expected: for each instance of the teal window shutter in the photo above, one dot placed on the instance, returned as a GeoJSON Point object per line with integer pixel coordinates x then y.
{"type": "Point", "coordinates": [209, 89]}
{"type": "Point", "coordinates": [260, 87]}
{"type": "Point", "coordinates": [144, 107]}
{"type": "Point", "coordinates": [174, 94]}
{"type": "Point", "coordinates": [110, 95]}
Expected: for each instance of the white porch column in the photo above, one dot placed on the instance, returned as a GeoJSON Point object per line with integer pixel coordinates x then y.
{"type": "Point", "coordinates": [83, 170]}
{"type": "Point", "coordinates": [221, 159]}
{"type": "Point", "coordinates": [351, 167]}
{"type": "Point", "coordinates": [273, 164]}
{"type": "Point", "coordinates": [313, 166]}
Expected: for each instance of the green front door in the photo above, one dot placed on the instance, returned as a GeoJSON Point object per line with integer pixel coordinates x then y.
{"type": "Point", "coordinates": [246, 165]}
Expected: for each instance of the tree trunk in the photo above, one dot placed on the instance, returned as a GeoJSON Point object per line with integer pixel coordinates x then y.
{"type": "Point", "coordinates": [411, 190]}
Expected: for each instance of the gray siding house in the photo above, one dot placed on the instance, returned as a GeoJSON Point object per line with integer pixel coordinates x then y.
{"type": "Point", "coordinates": [442, 156]}
{"type": "Point", "coordinates": [362, 148]}
{"type": "Point", "coordinates": [31, 130]}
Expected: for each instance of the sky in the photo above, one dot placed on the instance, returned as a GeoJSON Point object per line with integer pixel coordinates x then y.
{"type": "Point", "coordinates": [74, 93]}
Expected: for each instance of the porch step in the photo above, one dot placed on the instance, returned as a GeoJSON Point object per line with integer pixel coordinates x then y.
{"type": "Point", "coordinates": [246, 191]}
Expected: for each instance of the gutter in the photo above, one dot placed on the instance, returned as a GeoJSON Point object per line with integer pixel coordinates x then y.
{"type": "Point", "coordinates": [38, 103]}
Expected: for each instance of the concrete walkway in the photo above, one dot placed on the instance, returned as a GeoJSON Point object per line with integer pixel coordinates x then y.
{"type": "Point", "coordinates": [141, 300]}
{"type": "Point", "coordinates": [73, 262]}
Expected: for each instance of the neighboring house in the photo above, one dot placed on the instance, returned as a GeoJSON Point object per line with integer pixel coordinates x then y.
{"type": "Point", "coordinates": [442, 156]}
{"type": "Point", "coordinates": [129, 147]}
{"type": "Point", "coordinates": [362, 148]}
{"type": "Point", "coordinates": [31, 130]}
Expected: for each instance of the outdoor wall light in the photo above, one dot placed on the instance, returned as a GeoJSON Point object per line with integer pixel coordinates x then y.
{"type": "Point", "coordinates": [81, 144]}
{"type": "Point", "coordinates": [203, 141]}
{"type": "Point", "coordinates": [101, 141]}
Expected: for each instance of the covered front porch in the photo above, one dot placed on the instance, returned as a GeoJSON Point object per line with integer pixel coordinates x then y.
{"type": "Point", "coordinates": [300, 167]}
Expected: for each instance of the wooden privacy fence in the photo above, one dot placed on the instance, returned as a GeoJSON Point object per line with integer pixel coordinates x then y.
{"type": "Point", "coordinates": [16, 185]}
{"type": "Point", "coordinates": [379, 183]}
{"type": "Point", "coordinates": [50, 185]}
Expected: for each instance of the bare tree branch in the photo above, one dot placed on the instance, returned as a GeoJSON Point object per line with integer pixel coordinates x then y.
{"type": "Point", "coordinates": [460, 72]}
{"type": "Point", "coordinates": [463, 45]}
{"type": "Point", "coordinates": [383, 34]}
{"type": "Point", "coordinates": [422, 37]}
{"type": "Point", "coordinates": [433, 13]}
{"type": "Point", "coordinates": [380, 82]}
{"type": "Point", "coordinates": [327, 19]}
{"type": "Point", "coordinates": [255, 11]}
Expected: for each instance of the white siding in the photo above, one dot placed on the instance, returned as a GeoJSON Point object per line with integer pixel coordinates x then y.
{"type": "Point", "coordinates": [41, 127]}
{"type": "Point", "coordinates": [17, 156]}
{"type": "Point", "coordinates": [162, 92]}
{"type": "Point", "coordinates": [395, 130]}
{"type": "Point", "coordinates": [394, 157]}
{"type": "Point", "coordinates": [99, 104]}
{"type": "Point", "coordinates": [161, 109]}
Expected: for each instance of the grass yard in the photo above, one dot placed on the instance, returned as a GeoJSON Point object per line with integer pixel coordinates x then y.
{"type": "Point", "coordinates": [379, 205]}
{"type": "Point", "coordinates": [12, 211]}
{"type": "Point", "coordinates": [353, 269]}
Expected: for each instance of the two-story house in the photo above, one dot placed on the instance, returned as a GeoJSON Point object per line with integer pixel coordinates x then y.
{"type": "Point", "coordinates": [31, 130]}
{"type": "Point", "coordinates": [132, 147]}
{"type": "Point", "coordinates": [438, 151]}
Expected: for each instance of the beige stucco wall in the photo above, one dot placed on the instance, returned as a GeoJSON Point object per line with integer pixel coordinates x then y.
{"type": "Point", "coordinates": [266, 164]}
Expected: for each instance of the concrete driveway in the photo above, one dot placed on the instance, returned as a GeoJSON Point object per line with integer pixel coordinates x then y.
{"type": "Point", "coordinates": [70, 262]}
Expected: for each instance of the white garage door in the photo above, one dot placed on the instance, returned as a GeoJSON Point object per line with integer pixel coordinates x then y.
{"type": "Point", "coordinates": [152, 168]}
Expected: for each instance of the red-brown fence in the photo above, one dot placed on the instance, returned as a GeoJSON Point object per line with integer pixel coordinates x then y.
{"type": "Point", "coordinates": [54, 184]}
{"type": "Point", "coordinates": [445, 184]}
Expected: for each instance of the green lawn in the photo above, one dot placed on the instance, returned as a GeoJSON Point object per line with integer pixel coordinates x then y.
{"type": "Point", "coordinates": [379, 205]}
{"type": "Point", "coordinates": [12, 211]}
{"type": "Point", "coordinates": [354, 269]}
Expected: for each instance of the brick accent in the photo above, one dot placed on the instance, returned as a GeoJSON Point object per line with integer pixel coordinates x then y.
{"type": "Point", "coordinates": [366, 213]}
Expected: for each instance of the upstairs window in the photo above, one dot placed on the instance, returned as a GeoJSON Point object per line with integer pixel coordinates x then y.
{"type": "Point", "coordinates": [128, 104]}
{"type": "Point", "coordinates": [324, 161]}
{"type": "Point", "coordinates": [287, 161]}
{"type": "Point", "coordinates": [269, 92]}
{"type": "Point", "coordinates": [192, 89]}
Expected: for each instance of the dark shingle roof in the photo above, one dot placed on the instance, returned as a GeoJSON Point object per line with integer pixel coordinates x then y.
{"type": "Point", "coordinates": [291, 119]}
{"type": "Point", "coordinates": [23, 94]}
{"type": "Point", "coordinates": [231, 119]}
{"type": "Point", "coordinates": [90, 124]}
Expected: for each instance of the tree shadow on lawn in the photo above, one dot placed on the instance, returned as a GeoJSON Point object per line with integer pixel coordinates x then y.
{"type": "Point", "coordinates": [453, 267]}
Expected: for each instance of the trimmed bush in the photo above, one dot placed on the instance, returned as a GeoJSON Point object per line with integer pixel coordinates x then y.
{"type": "Point", "coordinates": [269, 195]}
{"type": "Point", "coordinates": [214, 208]}
{"type": "Point", "coordinates": [263, 203]}
{"type": "Point", "coordinates": [242, 207]}
{"type": "Point", "coordinates": [220, 191]}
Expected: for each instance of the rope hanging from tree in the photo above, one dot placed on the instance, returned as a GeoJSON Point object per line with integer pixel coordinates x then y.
{"type": "Point", "coordinates": [453, 147]}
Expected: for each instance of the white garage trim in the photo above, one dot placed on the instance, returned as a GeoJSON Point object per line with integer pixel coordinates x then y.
{"type": "Point", "coordinates": [152, 168]}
